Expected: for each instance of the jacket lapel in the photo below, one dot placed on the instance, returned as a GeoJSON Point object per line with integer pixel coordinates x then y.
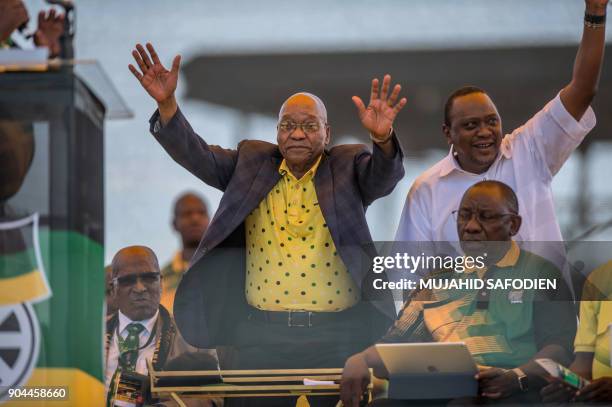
{"type": "Point", "coordinates": [267, 176]}
{"type": "Point", "coordinates": [166, 335]}
{"type": "Point", "coordinates": [264, 181]}
{"type": "Point", "coordinates": [324, 186]}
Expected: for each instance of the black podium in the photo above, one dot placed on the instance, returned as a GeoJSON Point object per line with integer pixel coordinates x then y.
{"type": "Point", "coordinates": [52, 230]}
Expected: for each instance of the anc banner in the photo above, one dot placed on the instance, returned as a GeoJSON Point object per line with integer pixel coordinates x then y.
{"type": "Point", "coordinates": [22, 276]}
{"type": "Point", "coordinates": [51, 313]}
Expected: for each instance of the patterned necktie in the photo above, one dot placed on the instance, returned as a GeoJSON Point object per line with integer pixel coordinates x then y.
{"type": "Point", "coordinates": [128, 347]}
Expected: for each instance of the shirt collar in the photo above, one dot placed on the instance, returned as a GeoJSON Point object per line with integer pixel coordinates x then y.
{"type": "Point", "coordinates": [508, 260]}
{"type": "Point", "coordinates": [450, 164]}
{"type": "Point", "coordinates": [511, 256]}
{"type": "Point", "coordinates": [284, 170]}
{"type": "Point", "coordinates": [148, 324]}
{"type": "Point", "coordinates": [178, 264]}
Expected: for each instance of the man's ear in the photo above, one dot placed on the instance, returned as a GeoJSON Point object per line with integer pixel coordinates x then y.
{"type": "Point", "coordinates": [447, 134]}
{"type": "Point", "coordinates": [327, 134]}
{"type": "Point", "coordinates": [515, 224]}
{"type": "Point", "coordinates": [174, 224]}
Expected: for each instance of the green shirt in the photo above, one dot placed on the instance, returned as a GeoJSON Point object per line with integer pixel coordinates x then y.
{"type": "Point", "coordinates": [505, 331]}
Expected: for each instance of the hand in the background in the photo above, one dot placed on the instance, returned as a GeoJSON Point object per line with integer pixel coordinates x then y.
{"type": "Point", "coordinates": [598, 390]}
{"type": "Point", "coordinates": [496, 383]}
{"type": "Point", "coordinates": [557, 392]}
{"type": "Point", "coordinates": [50, 29]}
{"type": "Point", "coordinates": [13, 15]}
{"type": "Point", "coordinates": [355, 380]}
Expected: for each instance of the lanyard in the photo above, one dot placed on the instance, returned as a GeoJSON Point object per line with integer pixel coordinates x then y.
{"type": "Point", "coordinates": [121, 341]}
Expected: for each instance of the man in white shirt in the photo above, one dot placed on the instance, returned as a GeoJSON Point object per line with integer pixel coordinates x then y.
{"type": "Point", "coordinates": [526, 160]}
{"type": "Point", "coordinates": [141, 329]}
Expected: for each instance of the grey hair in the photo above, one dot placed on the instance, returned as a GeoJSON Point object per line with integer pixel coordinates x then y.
{"type": "Point", "coordinates": [315, 98]}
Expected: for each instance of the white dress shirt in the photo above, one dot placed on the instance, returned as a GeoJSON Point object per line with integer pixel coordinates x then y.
{"type": "Point", "coordinates": [112, 359]}
{"type": "Point", "coordinates": [527, 161]}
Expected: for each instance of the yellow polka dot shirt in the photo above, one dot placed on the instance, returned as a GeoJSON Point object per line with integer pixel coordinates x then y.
{"type": "Point", "coordinates": [292, 262]}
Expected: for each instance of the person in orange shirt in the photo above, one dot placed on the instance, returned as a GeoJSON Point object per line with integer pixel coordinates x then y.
{"type": "Point", "coordinates": [190, 220]}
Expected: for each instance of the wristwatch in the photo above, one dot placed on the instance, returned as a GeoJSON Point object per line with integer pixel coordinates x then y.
{"type": "Point", "coordinates": [522, 379]}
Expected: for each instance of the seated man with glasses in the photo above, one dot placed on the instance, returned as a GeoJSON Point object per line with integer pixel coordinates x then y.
{"type": "Point", "coordinates": [504, 328]}
{"type": "Point", "coordinates": [141, 329]}
{"type": "Point", "coordinates": [280, 271]}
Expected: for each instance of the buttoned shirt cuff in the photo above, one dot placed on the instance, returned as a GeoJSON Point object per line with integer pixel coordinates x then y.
{"type": "Point", "coordinates": [155, 122]}
{"type": "Point", "coordinates": [155, 125]}
{"type": "Point", "coordinates": [577, 130]}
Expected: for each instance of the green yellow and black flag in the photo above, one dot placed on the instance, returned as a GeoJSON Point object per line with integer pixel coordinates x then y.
{"type": "Point", "coordinates": [22, 275]}
{"type": "Point", "coordinates": [51, 313]}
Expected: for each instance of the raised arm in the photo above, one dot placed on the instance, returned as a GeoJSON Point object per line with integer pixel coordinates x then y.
{"type": "Point", "coordinates": [378, 117]}
{"type": "Point", "coordinates": [579, 93]}
{"type": "Point", "coordinates": [159, 82]}
{"type": "Point", "coordinates": [212, 164]}
{"type": "Point", "coordinates": [379, 172]}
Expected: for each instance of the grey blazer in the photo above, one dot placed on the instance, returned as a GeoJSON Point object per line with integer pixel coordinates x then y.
{"type": "Point", "coordinates": [210, 299]}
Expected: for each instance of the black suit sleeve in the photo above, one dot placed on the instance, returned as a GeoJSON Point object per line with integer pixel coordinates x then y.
{"type": "Point", "coordinates": [212, 164]}
{"type": "Point", "coordinates": [377, 174]}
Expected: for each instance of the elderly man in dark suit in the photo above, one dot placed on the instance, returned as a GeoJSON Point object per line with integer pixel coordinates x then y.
{"type": "Point", "coordinates": [141, 329]}
{"type": "Point", "coordinates": [282, 272]}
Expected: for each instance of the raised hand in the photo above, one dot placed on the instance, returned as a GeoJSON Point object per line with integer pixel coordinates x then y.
{"type": "Point", "coordinates": [378, 117]}
{"type": "Point", "coordinates": [50, 29]}
{"type": "Point", "coordinates": [159, 82]}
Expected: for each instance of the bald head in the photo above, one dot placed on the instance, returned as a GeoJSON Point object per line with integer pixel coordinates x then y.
{"type": "Point", "coordinates": [133, 254]}
{"type": "Point", "coordinates": [303, 132]}
{"type": "Point", "coordinates": [308, 100]}
{"type": "Point", "coordinates": [488, 213]}
{"type": "Point", "coordinates": [498, 189]}
{"type": "Point", "coordinates": [136, 282]}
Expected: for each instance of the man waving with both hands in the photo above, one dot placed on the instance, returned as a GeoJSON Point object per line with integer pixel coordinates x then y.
{"type": "Point", "coordinates": [280, 273]}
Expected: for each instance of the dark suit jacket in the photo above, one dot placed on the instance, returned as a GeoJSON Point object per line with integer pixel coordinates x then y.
{"type": "Point", "coordinates": [210, 299]}
{"type": "Point", "coordinates": [171, 344]}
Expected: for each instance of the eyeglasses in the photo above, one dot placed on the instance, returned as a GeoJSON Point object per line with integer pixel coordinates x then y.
{"type": "Point", "coordinates": [482, 217]}
{"type": "Point", "coordinates": [307, 127]}
{"type": "Point", "coordinates": [131, 279]}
